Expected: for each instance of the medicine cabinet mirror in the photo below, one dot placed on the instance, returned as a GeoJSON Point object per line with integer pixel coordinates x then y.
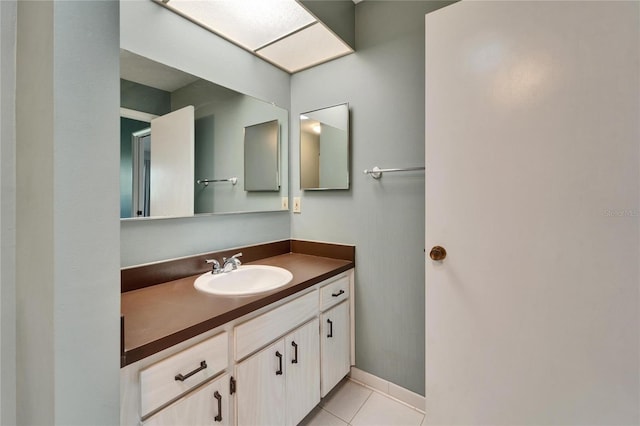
{"type": "Point", "coordinates": [261, 157]}
{"type": "Point", "coordinates": [203, 164]}
{"type": "Point", "coordinates": [324, 148]}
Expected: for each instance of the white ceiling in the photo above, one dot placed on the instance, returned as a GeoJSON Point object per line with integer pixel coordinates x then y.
{"type": "Point", "coordinates": [145, 71]}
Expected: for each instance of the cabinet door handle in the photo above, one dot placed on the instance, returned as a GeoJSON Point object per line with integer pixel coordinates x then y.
{"type": "Point", "coordinates": [180, 377]}
{"type": "Point", "coordinates": [279, 371]}
{"type": "Point", "coordinates": [217, 396]}
{"type": "Point", "coordinates": [295, 353]}
{"type": "Point", "coordinates": [330, 328]}
{"type": "Point", "coordinates": [232, 386]}
{"type": "Point", "coordinates": [338, 293]}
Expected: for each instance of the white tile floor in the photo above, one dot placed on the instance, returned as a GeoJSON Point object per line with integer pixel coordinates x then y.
{"type": "Point", "coordinates": [353, 404]}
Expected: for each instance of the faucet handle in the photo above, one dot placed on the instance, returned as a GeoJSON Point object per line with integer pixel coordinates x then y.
{"type": "Point", "coordinates": [233, 261]}
{"type": "Point", "coordinates": [216, 265]}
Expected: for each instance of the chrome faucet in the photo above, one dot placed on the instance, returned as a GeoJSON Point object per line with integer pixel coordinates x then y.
{"type": "Point", "coordinates": [233, 262]}
{"type": "Point", "coordinates": [216, 266]}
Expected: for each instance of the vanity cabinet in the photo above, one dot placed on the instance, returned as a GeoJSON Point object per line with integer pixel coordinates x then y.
{"type": "Point", "coordinates": [280, 385]}
{"type": "Point", "coordinates": [335, 353]}
{"type": "Point", "coordinates": [206, 406]}
{"type": "Point", "coordinates": [281, 359]}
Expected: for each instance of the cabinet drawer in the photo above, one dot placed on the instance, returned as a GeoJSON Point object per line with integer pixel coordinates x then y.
{"type": "Point", "coordinates": [258, 332]}
{"type": "Point", "coordinates": [173, 376]}
{"type": "Point", "coordinates": [207, 405]}
{"type": "Point", "coordinates": [334, 292]}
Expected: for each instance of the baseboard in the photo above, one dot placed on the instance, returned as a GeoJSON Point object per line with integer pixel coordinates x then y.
{"type": "Point", "coordinates": [406, 396]}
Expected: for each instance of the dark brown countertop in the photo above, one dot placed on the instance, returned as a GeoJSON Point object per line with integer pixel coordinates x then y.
{"type": "Point", "coordinates": [160, 316]}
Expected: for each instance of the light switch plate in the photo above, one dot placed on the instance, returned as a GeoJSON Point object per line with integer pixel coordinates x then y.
{"type": "Point", "coordinates": [296, 205]}
{"type": "Point", "coordinates": [285, 203]}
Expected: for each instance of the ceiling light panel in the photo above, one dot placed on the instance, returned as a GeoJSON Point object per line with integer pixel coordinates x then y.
{"type": "Point", "coordinates": [306, 48]}
{"type": "Point", "coordinates": [249, 23]}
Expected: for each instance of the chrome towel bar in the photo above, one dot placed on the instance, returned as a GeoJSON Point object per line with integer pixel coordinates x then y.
{"type": "Point", "coordinates": [206, 182]}
{"type": "Point", "coordinates": [377, 172]}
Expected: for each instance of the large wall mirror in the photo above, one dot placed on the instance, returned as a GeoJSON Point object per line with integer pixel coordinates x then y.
{"type": "Point", "coordinates": [324, 148]}
{"type": "Point", "coordinates": [185, 148]}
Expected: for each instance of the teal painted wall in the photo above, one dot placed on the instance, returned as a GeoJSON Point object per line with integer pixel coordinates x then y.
{"type": "Point", "coordinates": [384, 85]}
{"type": "Point", "coordinates": [144, 98]}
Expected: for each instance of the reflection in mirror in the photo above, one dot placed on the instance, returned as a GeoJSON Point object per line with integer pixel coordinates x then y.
{"type": "Point", "coordinates": [172, 164]}
{"type": "Point", "coordinates": [134, 165]}
{"type": "Point", "coordinates": [261, 172]}
{"type": "Point", "coordinates": [161, 185]}
{"type": "Point", "coordinates": [149, 91]}
{"type": "Point", "coordinates": [324, 148]}
{"type": "Point", "coordinates": [141, 163]}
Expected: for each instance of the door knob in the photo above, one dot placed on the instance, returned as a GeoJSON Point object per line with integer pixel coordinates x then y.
{"type": "Point", "coordinates": [438, 253]}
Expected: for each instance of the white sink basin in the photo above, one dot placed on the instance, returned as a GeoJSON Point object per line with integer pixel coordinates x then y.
{"type": "Point", "coordinates": [246, 280]}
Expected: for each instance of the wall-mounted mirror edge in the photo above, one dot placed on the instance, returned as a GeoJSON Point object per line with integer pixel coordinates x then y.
{"type": "Point", "coordinates": [325, 148]}
{"type": "Point", "coordinates": [200, 215]}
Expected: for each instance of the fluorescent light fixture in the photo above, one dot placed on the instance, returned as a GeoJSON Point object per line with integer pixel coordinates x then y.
{"type": "Point", "coordinates": [250, 23]}
{"type": "Point", "coordinates": [282, 32]}
{"type": "Point", "coordinates": [306, 48]}
{"type": "Point", "coordinates": [303, 117]}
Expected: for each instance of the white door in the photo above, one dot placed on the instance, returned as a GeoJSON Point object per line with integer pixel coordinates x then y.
{"type": "Point", "coordinates": [172, 163]}
{"type": "Point", "coordinates": [532, 136]}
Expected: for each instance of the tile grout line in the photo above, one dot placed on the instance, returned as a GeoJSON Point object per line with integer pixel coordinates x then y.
{"type": "Point", "coordinates": [341, 384]}
{"type": "Point", "coordinates": [361, 405]}
{"type": "Point", "coordinates": [333, 415]}
{"type": "Point", "coordinates": [386, 395]}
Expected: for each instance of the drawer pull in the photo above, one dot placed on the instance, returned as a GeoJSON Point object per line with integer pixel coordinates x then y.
{"type": "Point", "coordinates": [217, 396]}
{"type": "Point", "coordinates": [295, 353]}
{"type": "Point", "coordinates": [338, 293]}
{"type": "Point", "coordinates": [180, 377]}
{"type": "Point", "coordinates": [330, 328]}
{"type": "Point", "coordinates": [279, 371]}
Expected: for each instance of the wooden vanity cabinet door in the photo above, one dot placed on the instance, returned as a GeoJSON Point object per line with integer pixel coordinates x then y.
{"type": "Point", "coordinates": [206, 406]}
{"type": "Point", "coordinates": [260, 390]}
{"type": "Point", "coordinates": [335, 349]}
{"type": "Point", "coordinates": [302, 371]}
